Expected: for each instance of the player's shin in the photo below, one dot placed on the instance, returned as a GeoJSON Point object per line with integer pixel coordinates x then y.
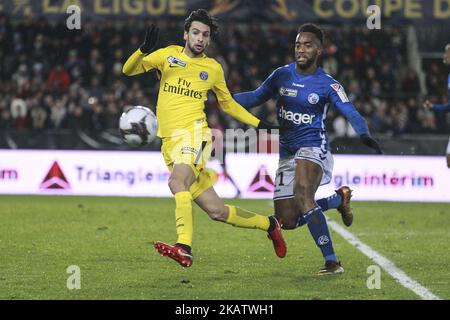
{"type": "Point", "coordinates": [239, 217]}
{"type": "Point", "coordinates": [318, 228]}
{"type": "Point", "coordinates": [183, 216]}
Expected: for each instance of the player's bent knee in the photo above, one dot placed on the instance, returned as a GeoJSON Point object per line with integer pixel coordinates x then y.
{"type": "Point", "coordinates": [289, 225]}
{"type": "Point", "coordinates": [217, 213]}
{"type": "Point", "coordinates": [177, 185]}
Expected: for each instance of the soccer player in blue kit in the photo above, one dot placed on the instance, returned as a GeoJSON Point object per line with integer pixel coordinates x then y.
{"type": "Point", "coordinates": [442, 107]}
{"type": "Point", "coordinates": [304, 94]}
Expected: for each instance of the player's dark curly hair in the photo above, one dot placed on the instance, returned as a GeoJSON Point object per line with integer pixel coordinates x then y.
{"type": "Point", "coordinates": [314, 29]}
{"type": "Point", "coordinates": [202, 16]}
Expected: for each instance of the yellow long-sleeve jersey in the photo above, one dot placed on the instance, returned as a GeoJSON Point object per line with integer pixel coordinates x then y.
{"type": "Point", "coordinates": [185, 82]}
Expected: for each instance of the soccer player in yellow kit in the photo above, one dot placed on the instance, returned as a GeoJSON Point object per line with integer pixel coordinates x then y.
{"type": "Point", "coordinates": [187, 75]}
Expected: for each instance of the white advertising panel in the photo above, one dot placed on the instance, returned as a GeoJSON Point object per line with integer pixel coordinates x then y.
{"type": "Point", "coordinates": [85, 173]}
{"type": "Point", "coordinates": [144, 174]}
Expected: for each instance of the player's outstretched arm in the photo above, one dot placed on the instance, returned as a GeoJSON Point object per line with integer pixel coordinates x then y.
{"type": "Point", "coordinates": [358, 123]}
{"type": "Point", "coordinates": [251, 99]}
{"type": "Point", "coordinates": [360, 126]}
{"type": "Point", "coordinates": [371, 143]}
{"type": "Point", "coordinates": [238, 112]}
{"type": "Point", "coordinates": [233, 108]}
{"type": "Point", "coordinates": [441, 107]}
{"type": "Point", "coordinates": [134, 65]}
{"type": "Point", "coordinates": [264, 92]}
{"type": "Point", "coordinates": [255, 98]}
{"type": "Point", "coordinates": [339, 99]}
{"type": "Point", "coordinates": [436, 107]}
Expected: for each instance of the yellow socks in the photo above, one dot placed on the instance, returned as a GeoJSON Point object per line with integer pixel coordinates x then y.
{"type": "Point", "coordinates": [183, 216]}
{"type": "Point", "coordinates": [245, 219]}
{"type": "Point", "coordinates": [236, 216]}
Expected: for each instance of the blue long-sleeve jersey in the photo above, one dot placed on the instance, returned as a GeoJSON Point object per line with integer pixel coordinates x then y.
{"type": "Point", "coordinates": [302, 104]}
{"type": "Point", "coordinates": [443, 107]}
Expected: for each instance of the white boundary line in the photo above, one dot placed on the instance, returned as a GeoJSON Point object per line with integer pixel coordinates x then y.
{"type": "Point", "coordinates": [383, 262]}
{"type": "Point", "coordinates": [387, 265]}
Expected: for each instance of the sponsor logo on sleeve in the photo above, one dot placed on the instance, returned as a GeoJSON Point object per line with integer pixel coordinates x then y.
{"type": "Point", "coordinates": [340, 91]}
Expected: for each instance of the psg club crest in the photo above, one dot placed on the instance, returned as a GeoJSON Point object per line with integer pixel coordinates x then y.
{"type": "Point", "coordinates": [313, 98]}
{"type": "Point", "coordinates": [204, 75]}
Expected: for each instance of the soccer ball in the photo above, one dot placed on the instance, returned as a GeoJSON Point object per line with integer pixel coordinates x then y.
{"type": "Point", "coordinates": [138, 126]}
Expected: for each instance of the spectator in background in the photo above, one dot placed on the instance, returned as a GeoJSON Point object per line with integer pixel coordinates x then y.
{"type": "Point", "coordinates": [21, 76]}
{"type": "Point", "coordinates": [367, 63]}
{"type": "Point", "coordinates": [98, 121]}
{"type": "Point", "coordinates": [342, 128]}
{"type": "Point", "coordinates": [434, 79]}
{"type": "Point", "coordinates": [75, 66]}
{"type": "Point", "coordinates": [112, 115]}
{"type": "Point", "coordinates": [78, 118]}
{"type": "Point", "coordinates": [410, 84]}
{"type": "Point", "coordinates": [427, 121]}
{"type": "Point", "coordinates": [387, 79]}
{"type": "Point", "coordinates": [58, 112]}
{"type": "Point", "coordinates": [19, 112]}
{"type": "Point", "coordinates": [58, 78]}
{"type": "Point", "coordinates": [6, 121]}
{"type": "Point", "coordinates": [39, 116]}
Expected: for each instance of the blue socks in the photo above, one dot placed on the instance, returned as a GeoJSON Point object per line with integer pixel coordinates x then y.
{"type": "Point", "coordinates": [318, 228]}
{"type": "Point", "coordinates": [317, 224]}
{"type": "Point", "coordinates": [332, 202]}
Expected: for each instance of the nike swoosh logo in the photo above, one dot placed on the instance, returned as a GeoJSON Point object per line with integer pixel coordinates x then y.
{"type": "Point", "coordinates": [181, 253]}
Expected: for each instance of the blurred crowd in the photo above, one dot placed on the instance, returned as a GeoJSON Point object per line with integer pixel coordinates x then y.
{"type": "Point", "coordinates": [54, 78]}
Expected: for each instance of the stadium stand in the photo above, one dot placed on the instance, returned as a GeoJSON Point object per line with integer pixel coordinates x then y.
{"type": "Point", "coordinates": [54, 81]}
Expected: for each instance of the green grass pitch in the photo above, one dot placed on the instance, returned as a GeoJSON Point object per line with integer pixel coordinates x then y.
{"type": "Point", "coordinates": [110, 239]}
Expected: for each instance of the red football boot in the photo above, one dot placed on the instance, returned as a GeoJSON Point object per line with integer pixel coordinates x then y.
{"type": "Point", "coordinates": [277, 238]}
{"type": "Point", "coordinates": [175, 252]}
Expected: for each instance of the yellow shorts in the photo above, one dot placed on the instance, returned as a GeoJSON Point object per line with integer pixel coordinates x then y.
{"type": "Point", "coordinates": [194, 151]}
